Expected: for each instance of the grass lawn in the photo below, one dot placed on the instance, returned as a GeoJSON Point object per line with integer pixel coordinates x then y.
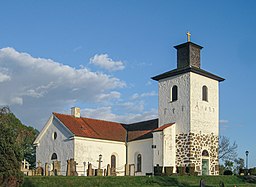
{"type": "Point", "coordinates": [189, 181]}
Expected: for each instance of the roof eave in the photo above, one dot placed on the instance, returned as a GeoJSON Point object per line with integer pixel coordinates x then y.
{"type": "Point", "coordinates": [186, 70]}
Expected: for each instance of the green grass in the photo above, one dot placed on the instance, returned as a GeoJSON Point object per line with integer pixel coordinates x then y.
{"type": "Point", "coordinates": [183, 181]}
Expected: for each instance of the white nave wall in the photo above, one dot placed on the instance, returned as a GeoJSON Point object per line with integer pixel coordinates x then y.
{"type": "Point", "coordinates": [88, 150]}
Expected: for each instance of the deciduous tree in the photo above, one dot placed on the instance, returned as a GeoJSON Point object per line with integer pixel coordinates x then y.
{"type": "Point", "coordinates": [16, 142]}
{"type": "Point", "coordinates": [227, 151]}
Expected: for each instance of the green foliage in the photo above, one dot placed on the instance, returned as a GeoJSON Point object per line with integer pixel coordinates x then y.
{"type": "Point", "coordinates": [15, 144]}
{"type": "Point", "coordinates": [252, 171]}
{"type": "Point", "coordinates": [235, 166]}
{"type": "Point", "coordinates": [10, 150]}
{"type": "Point", "coordinates": [26, 136]}
{"type": "Point", "coordinates": [228, 172]}
{"type": "Point", "coordinates": [238, 165]}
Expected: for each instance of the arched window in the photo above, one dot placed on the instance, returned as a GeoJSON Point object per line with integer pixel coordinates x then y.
{"type": "Point", "coordinates": [54, 135]}
{"type": "Point", "coordinates": [139, 163]}
{"type": "Point", "coordinates": [205, 153]}
{"type": "Point", "coordinates": [174, 93]}
{"type": "Point", "coordinates": [205, 93]}
{"type": "Point", "coordinates": [54, 156]}
{"type": "Point", "coordinates": [113, 161]}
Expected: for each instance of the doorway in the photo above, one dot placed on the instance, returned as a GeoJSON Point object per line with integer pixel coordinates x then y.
{"type": "Point", "coordinates": [205, 166]}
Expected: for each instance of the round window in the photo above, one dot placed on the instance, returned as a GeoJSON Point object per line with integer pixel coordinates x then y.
{"type": "Point", "coordinates": [54, 136]}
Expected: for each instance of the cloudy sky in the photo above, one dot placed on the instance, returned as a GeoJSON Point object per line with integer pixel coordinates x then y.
{"type": "Point", "coordinates": [100, 55]}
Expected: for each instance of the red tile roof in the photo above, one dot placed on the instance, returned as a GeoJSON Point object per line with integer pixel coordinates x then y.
{"type": "Point", "coordinates": [93, 128]}
{"type": "Point", "coordinates": [163, 127]}
{"type": "Point", "coordinates": [106, 130]}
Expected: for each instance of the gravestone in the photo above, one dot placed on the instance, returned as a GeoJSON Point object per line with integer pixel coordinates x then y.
{"type": "Point", "coordinates": [71, 167]}
{"type": "Point", "coordinates": [202, 183]}
{"type": "Point", "coordinates": [68, 168]}
{"type": "Point", "coordinates": [126, 169]}
{"type": "Point", "coordinates": [158, 170]}
{"type": "Point", "coordinates": [221, 184]}
{"type": "Point", "coordinates": [98, 172]}
{"type": "Point", "coordinates": [56, 167]}
{"type": "Point", "coordinates": [113, 171]}
{"type": "Point", "coordinates": [24, 167]}
{"type": "Point", "coordinates": [168, 170]}
{"type": "Point", "coordinates": [108, 170]}
{"type": "Point", "coordinates": [39, 170]}
{"type": "Point", "coordinates": [191, 169]}
{"type": "Point", "coordinates": [132, 170]}
{"type": "Point", "coordinates": [46, 169]}
{"type": "Point", "coordinates": [89, 171]}
{"type": "Point", "coordinates": [31, 173]}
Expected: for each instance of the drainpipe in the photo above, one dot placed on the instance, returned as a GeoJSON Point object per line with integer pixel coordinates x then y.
{"type": "Point", "coordinates": [163, 152]}
{"type": "Point", "coordinates": [126, 149]}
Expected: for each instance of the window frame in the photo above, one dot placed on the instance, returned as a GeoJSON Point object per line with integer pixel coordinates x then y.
{"type": "Point", "coordinates": [174, 93]}
{"type": "Point", "coordinates": [139, 162]}
{"type": "Point", "coordinates": [205, 93]}
{"type": "Point", "coordinates": [54, 156]}
{"type": "Point", "coordinates": [113, 161]}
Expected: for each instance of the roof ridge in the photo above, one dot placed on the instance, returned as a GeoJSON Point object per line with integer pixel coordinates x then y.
{"type": "Point", "coordinates": [93, 128]}
{"type": "Point", "coordinates": [90, 118]}
{"type": "Point", "coordinates": [142, 121]}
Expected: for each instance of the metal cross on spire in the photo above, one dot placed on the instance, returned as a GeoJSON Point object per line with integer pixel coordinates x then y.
{"type": "Point", "coordinates": [188, 36]}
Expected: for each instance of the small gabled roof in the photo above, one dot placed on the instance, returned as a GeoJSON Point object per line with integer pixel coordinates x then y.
{"type": "Point", "coordinates": [163, 127]}
{"type": "Point", "coordinates": [193, 69]}
{"type": "Point", "coordinates": [141, 130]}
{"type": "Point", "coordinates": [93, 128]}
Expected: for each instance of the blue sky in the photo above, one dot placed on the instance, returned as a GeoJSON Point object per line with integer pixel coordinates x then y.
{"type": "Point", "coordinates": [100, 55]}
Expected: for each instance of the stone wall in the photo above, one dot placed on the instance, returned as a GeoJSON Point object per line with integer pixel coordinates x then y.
{"type": "Point", "coordinates": [190, 147]}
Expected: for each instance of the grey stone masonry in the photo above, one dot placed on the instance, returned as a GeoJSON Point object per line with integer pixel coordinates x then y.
{"type": "Point", "coordinates": [189, 148]}
{"type": "Point", "coordinates": [188, 54]}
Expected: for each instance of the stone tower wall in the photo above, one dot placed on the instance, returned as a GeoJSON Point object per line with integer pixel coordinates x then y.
{"type": "Point", "coordinates": [190, 147]}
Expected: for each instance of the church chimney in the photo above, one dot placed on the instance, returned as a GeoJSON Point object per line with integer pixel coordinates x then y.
{"type": "Point", "coordinates": [75, 111]}
{"type": "Point", "coordinates": [188, 54]}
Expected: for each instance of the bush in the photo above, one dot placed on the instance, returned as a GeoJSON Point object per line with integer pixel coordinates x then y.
{"type": "Point", "coordinates": [252, 171]}
{"type": "Point", "coordinates": [241, 171]}
{"type": "Point", "coordinates": [228, 172]}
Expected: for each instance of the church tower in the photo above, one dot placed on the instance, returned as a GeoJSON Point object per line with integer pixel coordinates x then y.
{"type": "Point", "coordinates": [189, 98]}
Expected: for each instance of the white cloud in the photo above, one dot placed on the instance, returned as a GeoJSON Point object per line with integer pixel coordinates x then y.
{"type": "Point", "coordinates": [103, 61]}
{"type": "Point", "coordinates": [149, 83]}
{"type": "Point", "coordinates": [4, 74]}
{"type": "Point", "coordinates": [108, 96]}
{"type": "Point", "coordinates": [223, 121]}
{"type": "Point", "coordinates": [105, 113]}
{"type": "Point", "coordinates": [149, 94]}
{"type": "Point", "coordinates": [132, 106]}
{"type": "Point", "coordinates": [41, 86]}
{"type": "Point", "coordinates": [135, 96]}
{"type": "Point", "coordinates": [17, 100]}
{"type": "Point", "coordinates": [146, 94]}
{"type": "Point", "coordinates": [4, 77]}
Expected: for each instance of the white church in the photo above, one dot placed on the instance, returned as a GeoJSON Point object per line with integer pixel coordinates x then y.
{"type": "Point", "coordinates": [185, 134]}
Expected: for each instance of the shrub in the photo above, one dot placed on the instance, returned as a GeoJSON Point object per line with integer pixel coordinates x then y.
{"type": "Point", "coordinates": [228, 172]}
{"type": "Point", "coordinates": [252, 171]}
